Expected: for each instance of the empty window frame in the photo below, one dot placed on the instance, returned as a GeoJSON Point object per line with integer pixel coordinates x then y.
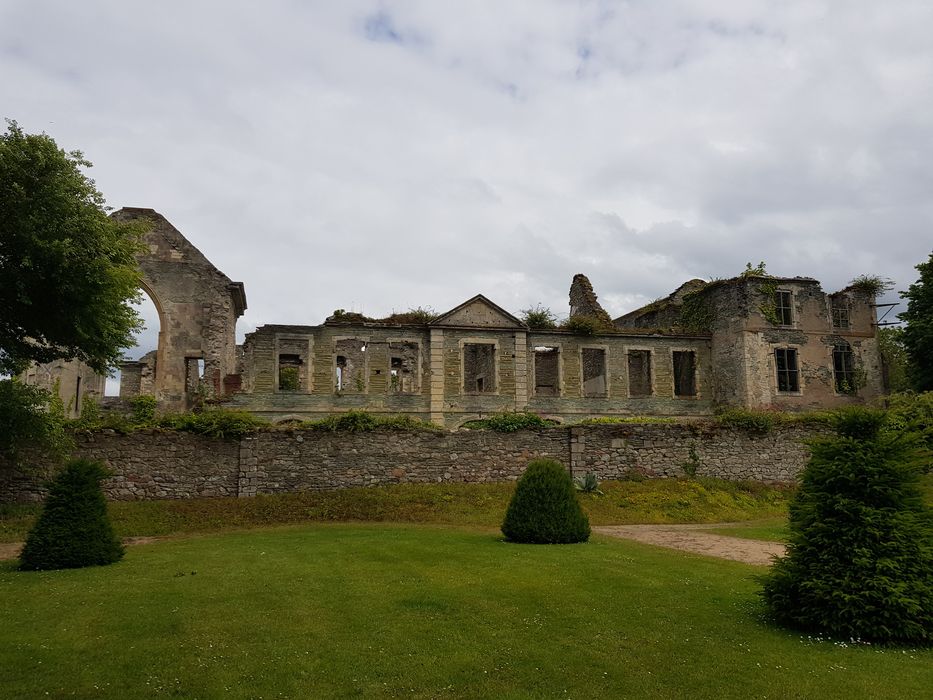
{"type": "Point", "coordinates": [547, 371]}
{"type": "Point", "coordinates": [788, 371]}
{"type": "Point", "coordinates": [844, 368]}
{"type": "Point", "coordinates": [194, 373]}
{"type": "Point", "coordinates": [840, 313]}
{"type": "Point", "coordinates": [685, 366]}
{"type": "Point", "coordinates": [290, 372]}
{"type": "Point", "coordinates": [403, 367]}
{"type": "Point", "coordinates": [350, 366]}
{"type": "Point", "coordinates": [595, 384]}
{"type": "Point", "coordinates": [479, 368]}
{"type": "Point", "coordinates": [783, 307]}
{"type": "Point", "coordinates": [639, 373]}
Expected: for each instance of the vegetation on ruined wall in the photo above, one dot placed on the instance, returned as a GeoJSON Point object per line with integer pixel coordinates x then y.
{"type": "Point", "coordinates": [697, 314]}
{"type": "Point", "coordinates": [289, 379]}
{"type": "Point", "coordinates": [31, 418]}
{"type": "Point", "coordinates": [764, 421]}
{"type": "Point", "coordinates": [617, 420]}
{"type": "Point", "coordinates": [213, 422]}
{"type": "Point", "coordinates": [361, 422]}
{"type": "Point", "coordinates": [539, 317]}
{"type": "Point", "coordinates": [510, 422]}
{"type": "Point", "coordinates": [67, 270]}
{"type": "Point", "coordinates": [859, 563]}
{"type": "Point", "coordinates": [918, 333]}
{"type": "Point", "coordinates": [417, 316]}
{"type": "Point", "coordinates": [586, 325]}
{"type": "Point", "coordinates": [871, 285]}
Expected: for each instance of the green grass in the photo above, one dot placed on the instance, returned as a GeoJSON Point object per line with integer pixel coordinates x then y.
{"type": "Point", "coordinates": [769, 530]}
{"type": "Point", "coordinates": [624, 502]}
{"type": "Point", "coordinates": [418, 611]}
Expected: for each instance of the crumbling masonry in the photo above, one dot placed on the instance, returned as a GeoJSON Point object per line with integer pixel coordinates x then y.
{"type": "Point", "coordinates": [753, 341]}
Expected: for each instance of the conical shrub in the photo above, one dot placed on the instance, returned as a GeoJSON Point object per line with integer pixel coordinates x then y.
{"type": "Point", "coordinates": [73, 530]}
{"type": "Point", "coordinates": [859, 562]}
{"type": "Point", "coordinates": [544, 508]}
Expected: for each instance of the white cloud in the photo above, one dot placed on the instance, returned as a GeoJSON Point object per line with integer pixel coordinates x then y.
{"type": "Point", "coordinates": [390, 155]}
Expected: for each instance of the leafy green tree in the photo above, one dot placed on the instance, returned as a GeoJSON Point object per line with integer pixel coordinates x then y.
{"type": "Point", "coordinates": [544, 508]}
{"type": "Point", "coordinates": [74, 529]}
{"type": "Point", "coordinates": [31, 417]}
{"type": "Point", "coordinates": [67, 270]}
{"type": "Point", "coordinates": [859, 562]}
{"type": "Point", "coordinates": [918, 334]}
{"type": "Point", "coordinates": [894, 357]}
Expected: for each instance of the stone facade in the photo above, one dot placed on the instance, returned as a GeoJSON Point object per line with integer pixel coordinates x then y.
{"type": "Point", "coordinates": [753, 341]}
{"type": "Point", "coordinates": [72, 380]}
{"type": "Point", "coordinates": [159, 464]}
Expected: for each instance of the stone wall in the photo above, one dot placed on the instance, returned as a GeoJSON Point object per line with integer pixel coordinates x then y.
{"type": "Point", "coordinates": [156, 464]}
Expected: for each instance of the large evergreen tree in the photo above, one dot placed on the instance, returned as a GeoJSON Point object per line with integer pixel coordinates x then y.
{"type": "Point", "coordinates": [918, 334]}
{"type": "Point", "coordinates": [67, 270]}
{"type": "Point", "coordinates": [859, 562]}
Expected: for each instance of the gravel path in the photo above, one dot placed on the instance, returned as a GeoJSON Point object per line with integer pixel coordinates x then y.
{"type": "Point", "coordinates": [690, 538]}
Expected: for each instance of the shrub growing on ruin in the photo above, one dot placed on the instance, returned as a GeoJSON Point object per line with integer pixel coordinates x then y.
{"type": "Point", "coordinates": [539, 317]}
{"type": "Point", "coordinates": [859, 563]}
{"type": "Point", "coordinates": [544, 508]}
{"type": "Point", "coordinates": [214, 422]}
{"type": "Point", "coordinates": [73, 530]}
{"type": "Point", "coordinates": [510, 422]}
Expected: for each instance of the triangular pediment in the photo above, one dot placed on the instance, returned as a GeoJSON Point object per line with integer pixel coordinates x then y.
{"type": "Point", "coordinates": [478, 312]}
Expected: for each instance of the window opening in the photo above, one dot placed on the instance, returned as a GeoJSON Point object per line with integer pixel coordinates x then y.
{"type": "Point", "coordinates": [783, 306]}
{"type": "Point", "coordinates": [788, 373]}
{"type": "Point", "coordinates": [547, 371]}
{"type": "Point", "coordinates": [594, 372]}
{"type": "Point", "coordinates": [639, 372]}
{"type": "Point", "coordinates": [685, 373]}
{"type": "Point", "coordinates": [479, 368]}
{"type": "Point", "coordinates": [403, 368]}
{"type": "Point", "coordinates": [844, 368]}
{"type": "Point", "coordinates": [77, 406]}
{"type": "Point", "coordinates": [350, 366]}
{"type": "Point", "coordinates": [289, 372]}
{"type": "Point", "coordinates": [840, 311]}
{"type": "Point", "coordinates": [194, 372]}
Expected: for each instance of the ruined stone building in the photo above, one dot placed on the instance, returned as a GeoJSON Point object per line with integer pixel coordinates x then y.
{"type": "Point", "coordinates": [754, 341]}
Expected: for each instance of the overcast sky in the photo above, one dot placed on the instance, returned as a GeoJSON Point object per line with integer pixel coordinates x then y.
{"type": "Point", "coordinates": [380, 156]}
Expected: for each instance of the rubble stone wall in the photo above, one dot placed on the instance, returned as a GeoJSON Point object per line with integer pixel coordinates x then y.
{"type": "Point", "coordinates": [158, 464]}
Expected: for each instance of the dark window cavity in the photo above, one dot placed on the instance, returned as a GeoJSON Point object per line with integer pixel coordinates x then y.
{"type": "Point", "coordinates": [840, 312]}
{"type": "Point", "coordinates": [479, 368]}
{"type": "Point", "coordinates": [547, 374]}
{"type": "Point", "coordinates": [788, 373]}
{"type": "Point", "coordinates": [594, 372]}
{"type": "Point", "coordinates": [289, 372]}
{"type": "Point", "coordinates": [685, 373]}
{"type": "Point", "coordinates": [403, 368]}
{"type": "Point", "coordinates": [783, 303]}
{"type": "Point", "coordinates": [844, 368]}
{"type": "Point", "coordinates": [350, 366]}
{"type": "Point", "coordinates": [639, 372]}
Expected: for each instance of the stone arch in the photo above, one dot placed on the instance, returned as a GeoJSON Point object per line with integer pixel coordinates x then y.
{"type": "Point", "coordinates": [198, 307]}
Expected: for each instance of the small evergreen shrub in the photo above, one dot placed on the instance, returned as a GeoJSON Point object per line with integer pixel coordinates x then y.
{"type": "Point", "coordinates": [859, 563]}
{"type": "Point", "coordinates": [73, 530]}
{"type": "Point", "coordinates": [544, 508]}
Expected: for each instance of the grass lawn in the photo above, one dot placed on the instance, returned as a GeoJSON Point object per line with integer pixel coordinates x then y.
{"type": "Point", "coordinates": [425, 611]}
{"type": "Point", "coordinates": [768, 529]}
{"type": "Point", "coordinates": [625, 502]}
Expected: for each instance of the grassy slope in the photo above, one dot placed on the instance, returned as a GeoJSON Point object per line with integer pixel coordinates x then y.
{"type": "Point", "coordinates": [362, 610]}
{"type": "Point", "coordinates": [650, 501]}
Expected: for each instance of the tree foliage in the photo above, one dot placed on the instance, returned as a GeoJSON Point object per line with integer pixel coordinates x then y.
{"type": "Point", "coordinates": [31, 417]}
{"type": "Point", "coordinates": [73, 530]}
{"type": "Point", "coordinates": [894, 358]}
{"type": "Point", "coordinates": [67, 270]}
{"type": "Point", "coordinates": [918, 334]}
{"type": "Point", "coordinates": [859, 563]}
{"type": "Point", "coordinates": [544, 508]}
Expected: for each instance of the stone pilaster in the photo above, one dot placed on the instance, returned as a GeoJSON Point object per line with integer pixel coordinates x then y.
{"type": "Point", "coordinates": [436, 355]}
{"type": "Point", "coordinates": [521, 370]}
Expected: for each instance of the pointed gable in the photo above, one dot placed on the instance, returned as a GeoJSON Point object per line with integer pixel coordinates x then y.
{"type": "Point", "coordinates": [478, 312]}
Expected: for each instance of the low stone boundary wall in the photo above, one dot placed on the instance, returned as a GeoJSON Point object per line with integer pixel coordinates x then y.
{"type": "Point", "coordinates": [152, 464]}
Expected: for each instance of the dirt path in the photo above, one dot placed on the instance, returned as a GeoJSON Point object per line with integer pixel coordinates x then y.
{"type": "Point", "coordinates": [690, 538]}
